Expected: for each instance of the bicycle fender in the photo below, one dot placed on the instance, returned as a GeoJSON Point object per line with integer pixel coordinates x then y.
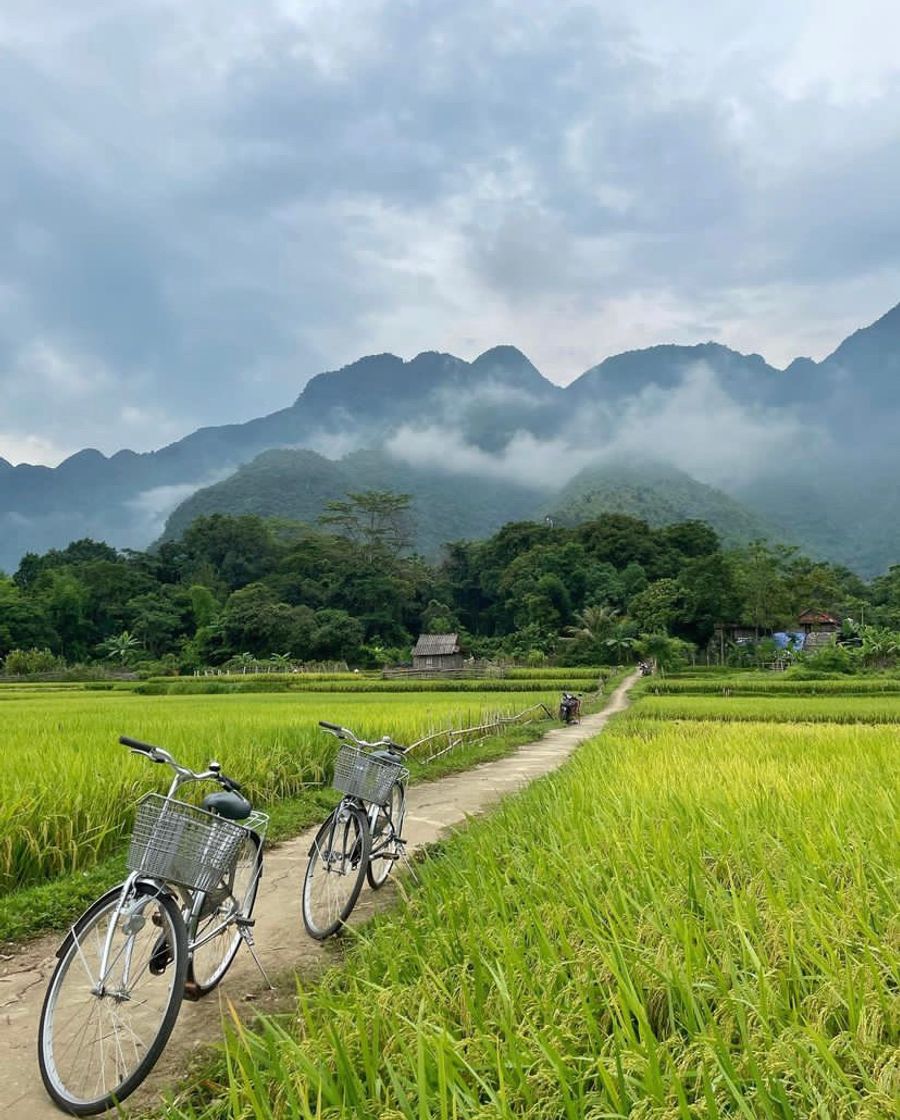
{"type": "Point", "coordinates": [112, 893]}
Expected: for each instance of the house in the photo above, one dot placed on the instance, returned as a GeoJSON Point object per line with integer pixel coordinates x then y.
{"type": "Point", "coordinates": [437, 651]}
{"type": "Point", "coordinates": [818, 622]}
{"type": "Point", "coordinates": [819, 628]}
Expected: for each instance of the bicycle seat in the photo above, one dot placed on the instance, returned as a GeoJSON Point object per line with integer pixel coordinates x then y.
{"type": "Point", "coordinates": [388, 756]}
{"type": "Point", "coordinates": [227, 804]}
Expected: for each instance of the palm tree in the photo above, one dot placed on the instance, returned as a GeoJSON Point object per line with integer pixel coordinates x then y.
{"type": "Point", "coordinates": [620, 646]}
{"type": "Point", "coordinates": [280, 662]}
{"type": "Point", "coordinates": [594, 623]}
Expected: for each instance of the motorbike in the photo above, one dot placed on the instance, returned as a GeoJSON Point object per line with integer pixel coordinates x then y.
{"type": "Point", "coordinates": [570, 708]}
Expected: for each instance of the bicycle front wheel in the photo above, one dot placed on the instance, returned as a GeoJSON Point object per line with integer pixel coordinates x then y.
{"type": "Point", "coordinates": [214, 926]}
{"type": "Point", "coordinates": [99, 1035]}
{"type": "Point", "coordinates": [385, 838]}
{"type": "Point", "coordinates": [337, 866]}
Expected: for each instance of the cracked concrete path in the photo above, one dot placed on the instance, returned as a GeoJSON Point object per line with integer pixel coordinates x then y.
{"type": "Point", "coordinates": [283, 945]}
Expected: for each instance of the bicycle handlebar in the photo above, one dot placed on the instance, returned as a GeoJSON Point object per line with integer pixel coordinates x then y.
{"type": "Point", "coordinates": [345, 733]}
{"type": "Point", "coordinates": [160, 754]}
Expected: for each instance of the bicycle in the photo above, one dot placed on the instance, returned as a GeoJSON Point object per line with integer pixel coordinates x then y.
{"type": "Point", "coordinates": [362, 838]}
{"type": "Point", "coordinates": [170, 931]}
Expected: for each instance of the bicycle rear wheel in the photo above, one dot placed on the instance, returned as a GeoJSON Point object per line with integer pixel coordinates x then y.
{"type": "Point", "coordinates": [335, 872]}
{"type": "Point", "coordinates": [99, 1037]}
{"type": "Point", "coordinates": [385, 838]}
{"type": "Point", "coordinates": [235, 897]}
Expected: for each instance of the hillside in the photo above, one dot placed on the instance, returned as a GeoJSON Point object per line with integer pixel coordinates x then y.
{"type": "Point", "coordinates": [659, 495]}
{"type": "Point", "coordinates": [298, 484]}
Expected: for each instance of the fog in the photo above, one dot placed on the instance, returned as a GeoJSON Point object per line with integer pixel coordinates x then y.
{"type": "Point", "coordinates": [697, 427]}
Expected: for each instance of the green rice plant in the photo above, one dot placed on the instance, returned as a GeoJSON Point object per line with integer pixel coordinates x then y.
{"type": "Point", "coordinates": [220, 686]}
{"type": "Point", "coordinates": [773, 708]}
{"type": "Point", "coordinates": [69, 787]}
{"type": "Point", "coordinates": [770, 684]}
{"type": "Point", "coordinates": [687, 920]}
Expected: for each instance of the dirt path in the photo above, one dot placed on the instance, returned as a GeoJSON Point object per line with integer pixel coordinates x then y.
{"type": "Point", "coordinates": [285, 949]}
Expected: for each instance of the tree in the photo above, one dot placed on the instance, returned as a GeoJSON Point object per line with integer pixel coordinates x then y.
{"type": "Point", "coordinates": [438, 618]}
{"type": "Point", "coordinates": [762, 584]}
{"type": "Point", "coordinates": [255, 621]}
{"type": "Point", "coordinates": [655, 609]}
{"type": "Point", "coordinates": [667, 653]}
{"type": "Point", "coordinates": [377, 520]}
{"type": "Point", "coordinates": [337, 636]}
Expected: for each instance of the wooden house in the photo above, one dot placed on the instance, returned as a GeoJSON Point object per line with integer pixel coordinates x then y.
{"type": "Point", "coordinates": [820, 628]}
{"type": "Point", "coordinates": [818, 622]}
{"type": "Point", "coordinates": [437, 652]}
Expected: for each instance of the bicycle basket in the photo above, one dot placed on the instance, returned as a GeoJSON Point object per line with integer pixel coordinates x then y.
{"type": "Point", "coordinates": [360, 775]}
{"type": "Point", "coordinates": [182, 844]}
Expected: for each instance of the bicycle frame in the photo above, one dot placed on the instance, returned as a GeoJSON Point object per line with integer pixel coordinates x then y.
{"type": "Point", "coordinates": [192, 901]}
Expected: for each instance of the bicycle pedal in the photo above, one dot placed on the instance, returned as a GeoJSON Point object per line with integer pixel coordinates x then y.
{"type": "Point", "coordinates": [192, 991]}
{"type": "Point", "coordinates": [389, 856]}
{"type": "Point", "coordinates": [245, 923]}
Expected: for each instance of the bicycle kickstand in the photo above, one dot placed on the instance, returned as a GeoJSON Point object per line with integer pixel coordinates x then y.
{"type": "Point", "coordinates": [405, 857]}
{"type": "Point", "coordinates": [245, 928]}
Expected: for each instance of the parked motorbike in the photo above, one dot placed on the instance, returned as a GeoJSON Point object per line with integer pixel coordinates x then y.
{"type": "Point", "coordinates": [570, 708]}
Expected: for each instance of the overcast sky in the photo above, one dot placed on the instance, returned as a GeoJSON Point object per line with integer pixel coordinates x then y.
{"type": "Point", "coordinates": [204, 203]}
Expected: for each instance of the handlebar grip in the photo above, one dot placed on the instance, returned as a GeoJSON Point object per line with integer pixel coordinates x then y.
{"type": "Point", "coordinates": [137, 745]}
{"type": "Point", "coordinates": [330, 726]}
{"type": "Point", "coordinates": [229, 783]}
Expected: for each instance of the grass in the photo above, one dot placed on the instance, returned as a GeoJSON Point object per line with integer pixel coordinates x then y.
{"type": "Point", "coordinates": [689, 920]}
{"type": "Point", "coordinates": [774, 708]}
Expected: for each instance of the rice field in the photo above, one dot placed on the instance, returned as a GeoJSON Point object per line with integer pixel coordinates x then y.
{"type": "Point", "coordinates": [778, 709]}
{"type": "Point", "coordinates": [692, 919]}
{"type": "Point", "coordinates": [69, 787]}
{"type": "Point", "coordinates": [769, 684]}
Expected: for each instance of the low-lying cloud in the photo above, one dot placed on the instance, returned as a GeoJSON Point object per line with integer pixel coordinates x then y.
{"type": "Point", "coordinates": [696, 426]}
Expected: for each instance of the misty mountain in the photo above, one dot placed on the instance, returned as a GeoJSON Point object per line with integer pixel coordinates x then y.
{"type": "Point", "coordinates": [659, 495]}
{"type": "Point", "coordinates": [298, 484]}
{"type": "Point", "coordinates": [808, 450]}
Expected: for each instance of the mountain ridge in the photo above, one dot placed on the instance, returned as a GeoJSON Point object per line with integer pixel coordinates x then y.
{"type": "Point", "coordinates": [486, 405]}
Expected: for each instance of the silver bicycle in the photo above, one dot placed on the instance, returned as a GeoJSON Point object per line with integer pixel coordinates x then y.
{"type": "Point", "coordinates": [169, 932]}
{"type": "Point", "coordinates": [363, 837]}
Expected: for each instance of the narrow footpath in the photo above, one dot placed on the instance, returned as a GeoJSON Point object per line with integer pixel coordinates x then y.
{"type": "Point", "coordinates": [283, 945]}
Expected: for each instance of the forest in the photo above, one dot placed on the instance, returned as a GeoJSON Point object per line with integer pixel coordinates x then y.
{"type": "Point", "coordinates": [349, 588]}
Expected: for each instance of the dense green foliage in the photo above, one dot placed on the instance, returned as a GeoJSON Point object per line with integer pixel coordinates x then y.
{"type": "Point", "coordinates": [689, 920]}
{"type": "Point", "coordinates": [234, 590]}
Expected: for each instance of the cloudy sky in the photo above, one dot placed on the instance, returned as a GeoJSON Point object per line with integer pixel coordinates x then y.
{"type": "Point", "coordinates": [206, 203]}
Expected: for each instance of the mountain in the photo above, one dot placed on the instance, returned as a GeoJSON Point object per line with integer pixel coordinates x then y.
{"type": "Point", "coordinates": [658, 494]}
{"type": "Point", "coordinates": [809, 450]}
{"type": "Point", "coordinates": [298, 485]}
{"type": "Point", "coordinates": [124, 499]}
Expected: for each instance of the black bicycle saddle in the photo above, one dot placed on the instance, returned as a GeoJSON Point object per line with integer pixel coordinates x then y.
{"type": "Point", "coordinates": [228, 804]}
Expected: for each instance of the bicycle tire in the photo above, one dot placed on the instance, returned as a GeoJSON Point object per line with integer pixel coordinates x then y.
{"type": "Point", "coordinates": [378, 878]}
{"type": "Point", "coordinates": [198, 983]}
{"type": "Point", "coordinates": [80, 946]}
{"type": "Point", "coordinates": [348, 828]}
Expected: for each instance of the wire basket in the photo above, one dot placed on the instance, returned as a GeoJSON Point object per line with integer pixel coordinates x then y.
{"type": "Point", "coordinates": [360, 775]}
{"type": "Point", "coordinates": [182, 844]}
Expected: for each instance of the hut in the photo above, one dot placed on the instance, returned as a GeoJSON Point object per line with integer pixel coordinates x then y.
{"type": "Point", "coordinates": [818, 622]}
{"type": "Point", "coordinates": [437, 652]}
{"type": "Point", "coordinates": [819, 629]}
